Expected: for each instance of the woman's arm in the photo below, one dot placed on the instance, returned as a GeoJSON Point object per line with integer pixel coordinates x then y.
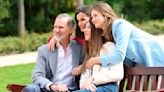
{"type": "Point", "coordinates": [106, 75]}
{"type": "Point", "coordinates": [121, 33]}
{"type": "Point", "coordinates": [114, 73]}
{"type": "Point", "coordinates": [51, 43]}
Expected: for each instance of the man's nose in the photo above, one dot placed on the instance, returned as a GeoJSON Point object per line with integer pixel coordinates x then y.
{"type": "Point", "coordinates": [56, 30]}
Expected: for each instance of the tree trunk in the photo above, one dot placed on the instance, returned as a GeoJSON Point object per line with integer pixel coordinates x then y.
{"type": "Point", "coordinates": [80, 3]}
{"type": "Point", "coordinates": [21, 18]}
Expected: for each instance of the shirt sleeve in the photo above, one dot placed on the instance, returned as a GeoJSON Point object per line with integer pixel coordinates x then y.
{"type": "Point", "coordinates": [47, 86]}
{"type": "Point", "coordinates": [121, 34]}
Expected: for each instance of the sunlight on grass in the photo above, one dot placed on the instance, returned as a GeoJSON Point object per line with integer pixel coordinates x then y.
{"type": "Point", "coordinates": [15, 74]}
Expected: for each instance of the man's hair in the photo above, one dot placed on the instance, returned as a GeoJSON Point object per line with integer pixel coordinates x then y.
{"type": "Point", "coordinates": [69, 19]}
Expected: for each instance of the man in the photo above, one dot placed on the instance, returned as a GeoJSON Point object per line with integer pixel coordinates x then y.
{"type": "Point", "coordinates": [53, 70]}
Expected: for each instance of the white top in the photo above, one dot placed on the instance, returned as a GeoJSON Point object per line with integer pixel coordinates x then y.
{"type": "Point", "coordinates": [102, 75]}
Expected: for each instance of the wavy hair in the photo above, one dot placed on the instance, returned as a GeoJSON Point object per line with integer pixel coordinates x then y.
{"type": "Point", "coordinates": [106, 10]}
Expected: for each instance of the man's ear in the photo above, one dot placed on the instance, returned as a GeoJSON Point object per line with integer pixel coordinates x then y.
{"type": "Point", "coordinates": [71, 29]}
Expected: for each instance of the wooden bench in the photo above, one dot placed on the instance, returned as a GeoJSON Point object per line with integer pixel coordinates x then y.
{"type": "Point", "coordinates": [15, 87]}
{"type": "Point", "coordinates": [136, 79]}
{"type": "Point", "coordinates": [143, 79]}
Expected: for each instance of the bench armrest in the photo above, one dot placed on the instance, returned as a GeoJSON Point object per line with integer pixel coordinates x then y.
{"type": "Point", "coordinates": [15, 87]}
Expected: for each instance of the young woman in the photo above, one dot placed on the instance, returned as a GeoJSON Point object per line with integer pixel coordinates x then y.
{"type": "Point", "coordinates": [99, 79]}
{"type": "Point", "coordinates": [131, 42]}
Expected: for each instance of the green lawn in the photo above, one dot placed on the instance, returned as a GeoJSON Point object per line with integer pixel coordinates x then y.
{"type": "Point", "coordinates": [15, 74]}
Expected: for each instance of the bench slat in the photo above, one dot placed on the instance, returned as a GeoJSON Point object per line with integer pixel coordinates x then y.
{"type": "Point", "coordinates": [144, 79]}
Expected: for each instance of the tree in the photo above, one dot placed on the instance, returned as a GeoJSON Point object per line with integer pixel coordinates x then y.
{"type": "Point", "coordinates": [80, 3]}
{"type": "Point", "coordinates": [21, 25]}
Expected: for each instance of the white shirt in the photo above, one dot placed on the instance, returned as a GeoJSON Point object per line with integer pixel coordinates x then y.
{"type": "Point", "coordinates": [64, 68]}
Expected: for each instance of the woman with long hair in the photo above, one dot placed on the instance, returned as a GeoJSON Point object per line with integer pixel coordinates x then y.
{"type": "Point", "coordinates": [98, 78]}
{"type": "Point", "coordinates": [131, 42]}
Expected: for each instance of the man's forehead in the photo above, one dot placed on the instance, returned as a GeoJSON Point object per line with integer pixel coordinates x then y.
{"type": "Point", "coordinates": [60, 22]}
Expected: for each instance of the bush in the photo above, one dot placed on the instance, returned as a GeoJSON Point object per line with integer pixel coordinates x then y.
{"type": "Point", "coordinates": [154, 27]}
{"type": "Point", "coordinates": [32, 41]}
{"type": "Point", "coordinates": [29, 42]}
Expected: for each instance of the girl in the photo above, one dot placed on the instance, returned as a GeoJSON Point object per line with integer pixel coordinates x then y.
{"type": "Point", "coordinates": [131, 42]}
{"type": "Point", "coordinates": [99, 79]}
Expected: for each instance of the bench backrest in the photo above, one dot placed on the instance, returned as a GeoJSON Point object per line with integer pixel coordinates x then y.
{"type": "Point", "coordinates": [143, 79]}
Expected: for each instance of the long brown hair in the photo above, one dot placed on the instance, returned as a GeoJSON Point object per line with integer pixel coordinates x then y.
{"type": "Point", "coordinates": [107, 11]}
{"type": "Point", "coordinates": [86, 10]}
{"type": "Point", "coordinates": [93, 46]}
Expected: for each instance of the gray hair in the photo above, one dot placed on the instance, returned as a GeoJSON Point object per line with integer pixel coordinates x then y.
{"type": "Point", "coordinates": [69, 19]}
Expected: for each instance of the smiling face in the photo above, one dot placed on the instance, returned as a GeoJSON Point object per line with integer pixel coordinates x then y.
{"type": "Point", "coordinates": [82, 19]}
{"type": "Point", "coordinates": [61, 28]}
{"type": "Point", "coordinates": [97, 19]}
{"type": "Point", "coordinates": [87, 32]}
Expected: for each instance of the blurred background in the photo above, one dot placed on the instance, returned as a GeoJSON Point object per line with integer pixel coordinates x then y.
{"type": "Point", "coordinates": [27, 24]}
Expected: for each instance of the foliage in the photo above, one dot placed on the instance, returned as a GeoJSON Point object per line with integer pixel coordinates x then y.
{"type": "Point", "coordinates": [4, 6]}
{"type": "Point", "coordinates": [8, 23]}
{"type": "Point", "coordinates": [29, 42]}
{"type": "Point", "coordinates": [32, 41]}
{"type": "Point", "coordinates": [154, 27]}
{"type": "Point", "coordinates": [20, 74]}
{"type": "Point", "coordinates": [40, 14]}
{"type": "Point", "coordinates": [141, 10]}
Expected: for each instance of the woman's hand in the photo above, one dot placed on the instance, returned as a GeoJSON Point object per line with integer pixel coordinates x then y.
{"type": "Point", "coordinates": [91, 87]}
{"type": "Point", "coordinates": [88, 84]}
{"type": "Point", "coordinates": [51, 44]}
{"type": "Point", "coordinates": [92, 61]}
{"type": "Point", "coordinates": [77, 70]}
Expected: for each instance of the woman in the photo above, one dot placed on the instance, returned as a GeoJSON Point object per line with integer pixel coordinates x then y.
{"type": "Point", "coordinates": [131, 42]}
{"type": "Point", "coordinates": [82, 16]}
{"type": "Point", "coordinates": [99, 79]}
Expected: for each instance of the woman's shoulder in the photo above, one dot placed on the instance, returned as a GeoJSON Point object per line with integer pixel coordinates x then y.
{"type": "Point", "coordinates": [79, 40]}
{"type": "Point", "coordinates": [107, 48]}
{"type": "Point", "coordinates": [121, 24]}
{"type": "Point", "coordinates": [116, 22]}
{"type": "Point", "coordinates": [119, 21]}
{"type": "Point", "coordinates": [109, 44]}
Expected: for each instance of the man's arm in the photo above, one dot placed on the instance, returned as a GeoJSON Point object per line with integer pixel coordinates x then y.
{"type": "Point", "coordinates": [39, 72]}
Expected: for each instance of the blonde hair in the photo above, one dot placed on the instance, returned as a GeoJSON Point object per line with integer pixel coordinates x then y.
{"type": "Point", "coordinates": [107, 11]}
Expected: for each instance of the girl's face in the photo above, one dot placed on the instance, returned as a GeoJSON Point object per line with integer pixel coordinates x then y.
{"type": "Point", "coordinates": [82, 19]}
{"type": "Point", "coordinates": [87, 32]}
{"type": "Point", "coordinates": [97, 19]}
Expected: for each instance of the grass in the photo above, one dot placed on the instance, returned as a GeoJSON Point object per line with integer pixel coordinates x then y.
{"type": "Point", "coordinates": [15, 74]}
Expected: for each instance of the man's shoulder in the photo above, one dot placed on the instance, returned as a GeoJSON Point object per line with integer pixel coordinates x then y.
{"type": "Point", "coordinates": [43, 47]}
{"type": "Point", "coordinates": [75, 43]}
